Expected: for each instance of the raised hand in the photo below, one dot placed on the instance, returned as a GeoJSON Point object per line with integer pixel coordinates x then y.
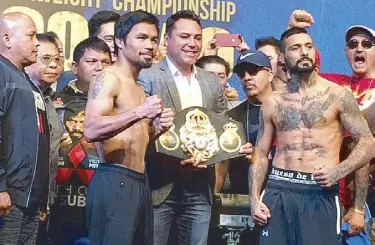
{"type": "Point", "coordinates": [300, 18]}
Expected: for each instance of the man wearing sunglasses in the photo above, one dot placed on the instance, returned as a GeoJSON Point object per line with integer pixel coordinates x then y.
{"type": "Point", "coordinates": [254, 69]}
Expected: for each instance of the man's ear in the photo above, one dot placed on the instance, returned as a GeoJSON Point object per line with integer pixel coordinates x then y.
{"type": "Point", "coordinates": [74, 68]}
{"type": "Point", "coordinates": [6, 40]}
{"type": "Point", "coordinates": [270, 75]}
{"type": "Point", "coordinates": [166, 38]}
{"type": "Point", "coordinates": [119, 43]}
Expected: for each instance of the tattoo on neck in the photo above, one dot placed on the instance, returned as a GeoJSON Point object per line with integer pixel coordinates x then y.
{"type": "Point", "coordinates": [296, 81]}
{"type": "Point", "coordinates": [293, 84]}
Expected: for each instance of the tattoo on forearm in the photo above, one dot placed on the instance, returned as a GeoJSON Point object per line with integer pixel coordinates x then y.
{"type": "Point", "coordinates": [305, 146]}
{"type": "Point", "coordinates": [361, 182]}
{"type": "Point", "coordinates": [351, 117]}
{"type": "Point", "coordinates": [261, 127]}
{"type": "Point", "coordinates": [98, 85]}
{"type": "Point", "coordinates": [257, 176]}
{"type": "Point", "coordinates": [360, 155]}
{"type": "Point", "coordinates": [353, 121]}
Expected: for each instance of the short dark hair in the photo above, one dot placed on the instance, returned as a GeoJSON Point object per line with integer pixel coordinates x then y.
{"type": "Point", "coordinates": [183, 14]}
{"type": "Point", "coordinates": [52, 34]}
{"type": "Point", "coordinates": [290, 32]}
{"type": "Point", "coordinates": [213, 59]}
{"type": "Point", "coordinates": [264, 41]}
{"type": "Point", "coordinates": [94, 43]}
{"type": "Point", "coordinates": [46, 37]}
{"type": "Point", "coordinates": [100, 18]}
{"type": "Point", "coordinates": [126, 22]}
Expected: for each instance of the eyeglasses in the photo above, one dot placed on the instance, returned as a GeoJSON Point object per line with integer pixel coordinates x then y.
{"type": "Point", "coordinates": [47, 59]}
{"type": "Point", "coordinates": [252, 70]}
{"type": "Point", "coordinates": [366, 44]}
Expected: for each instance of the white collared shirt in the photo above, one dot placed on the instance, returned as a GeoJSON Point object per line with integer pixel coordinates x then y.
{"type": "Point", "coordinates": [190, 92]}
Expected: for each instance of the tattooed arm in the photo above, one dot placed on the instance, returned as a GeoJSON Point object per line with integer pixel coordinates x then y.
{"type": "Point", "coordinates": [100, 124]}
{"type": "Point", "coordinates": [356, 125]}
{"type": "Point", "coordinates": [361, 182]}
{"type": "Point", "coordinates": [258, 168]}
{"type": "Point", "coordinates": [369, 115]}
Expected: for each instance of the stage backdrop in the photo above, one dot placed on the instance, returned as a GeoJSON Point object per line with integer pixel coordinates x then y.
{"type": "Point", "coordinates": [250, 18]}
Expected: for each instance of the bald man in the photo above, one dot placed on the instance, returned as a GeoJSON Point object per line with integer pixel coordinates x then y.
{"type": "Point", "coordinates": [24, 132]}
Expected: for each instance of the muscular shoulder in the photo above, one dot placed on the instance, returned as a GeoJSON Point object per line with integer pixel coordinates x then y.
{"type": "Point", "coordinates": [107, 81]}
{"type": "Point", "coordinates": [340, 79]}
{"type": "Point", "coordinates": [335, 90]}
{"type": "Point", "coordinates": [327, 83]}
{"type": "Point", "coordinates": [268, 106]}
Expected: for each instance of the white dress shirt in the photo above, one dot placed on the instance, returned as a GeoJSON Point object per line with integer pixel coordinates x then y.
{"type": "Point", "coordinates": [190, 92]}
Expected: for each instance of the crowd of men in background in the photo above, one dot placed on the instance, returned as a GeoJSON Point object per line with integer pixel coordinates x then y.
{"type": "Point", "coordinates": [61, 131]}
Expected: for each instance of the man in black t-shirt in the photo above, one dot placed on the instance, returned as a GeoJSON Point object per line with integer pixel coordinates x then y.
{"type": "Point", "coordinates": [255, 72]}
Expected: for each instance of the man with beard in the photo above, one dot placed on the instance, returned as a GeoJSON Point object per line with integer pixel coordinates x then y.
{"type": "Point", "coordinates": [118, 119]}
{"type": "Point", "coordinates": [308, 117]}
{"type": "Point", "coordinates": [360, 54]}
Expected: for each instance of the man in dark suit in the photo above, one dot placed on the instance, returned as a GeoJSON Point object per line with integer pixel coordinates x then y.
{"type": "Point", "coordinates": [182, 196]}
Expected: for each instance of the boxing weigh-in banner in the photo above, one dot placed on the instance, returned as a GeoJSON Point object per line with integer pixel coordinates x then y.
{"type": "Point", "coordinates": [68, 18]}
{"type": "Point", "coordinates": [250, 18]}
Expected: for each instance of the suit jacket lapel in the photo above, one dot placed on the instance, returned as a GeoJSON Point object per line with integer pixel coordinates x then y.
{"type": "Point", "coordinates": [205, 90]}
{"type": "Point", "coordinates": [171, 85]}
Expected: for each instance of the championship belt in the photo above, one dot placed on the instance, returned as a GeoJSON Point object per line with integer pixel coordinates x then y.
{"type": "Point", "coordinates": [203, 134]}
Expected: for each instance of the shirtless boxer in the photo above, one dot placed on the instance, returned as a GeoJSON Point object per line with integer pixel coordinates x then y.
{"type": "Point", "coordinates": [118, 117]}
{"type": "Point", "coordinates": [308, 117]}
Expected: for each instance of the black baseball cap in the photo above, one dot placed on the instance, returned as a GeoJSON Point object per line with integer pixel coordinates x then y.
{"type": "Point", "coordinates": [251, 57]}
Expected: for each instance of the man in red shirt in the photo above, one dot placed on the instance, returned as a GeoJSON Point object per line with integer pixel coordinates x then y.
{"type": "Point", "coordinates": [360, 54]}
